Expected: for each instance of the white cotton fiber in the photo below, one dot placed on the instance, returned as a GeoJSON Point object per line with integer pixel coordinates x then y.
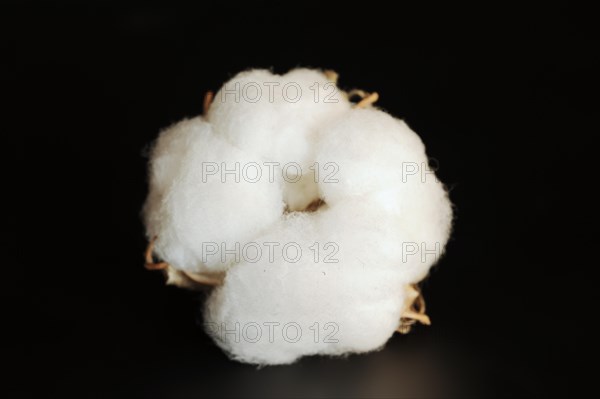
{"type": "Point", "coordinates": [195, 210]}
{"type": "Point", "coordinates": [313, 306]}
{"type": "Point", "coordinates": [276, 116]}
{"type": "Point", "coordinates": [317, 256]}
{"type": "Point", "coordinates": [382, 158]}
{"type": "Point", "coordinates": [165, 167]}
{"type": "Point", "coordinates": [368, 148]}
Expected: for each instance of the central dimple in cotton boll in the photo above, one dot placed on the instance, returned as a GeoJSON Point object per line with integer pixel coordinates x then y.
{"type": "Point", "coordinates": [276, 117]}
{"type": "Point", "coordinates": [299, 191]}
{"type": "Point", "coordinates": [330, 279]}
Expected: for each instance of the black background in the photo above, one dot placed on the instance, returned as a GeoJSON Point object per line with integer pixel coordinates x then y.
{"type": "Point", "coordinates": [503, 99]}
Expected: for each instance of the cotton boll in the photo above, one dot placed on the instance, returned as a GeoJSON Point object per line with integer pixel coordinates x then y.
{"type": "Point", "coordinates": [275, 116]}
{"type": "Point", "coordinates": [204, 210]}
{"type": "Point", "coordinates": [339, 308]}
{"type": "Point", "coordinates": [297, 281]}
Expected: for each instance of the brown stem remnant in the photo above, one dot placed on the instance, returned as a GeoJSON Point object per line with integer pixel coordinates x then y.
{"type": "Point", "coordinates": [150, 264]}
{"type": "Point", "coordinates": [208, 98]}
{"type": "Point", "coordinates": [196, 277]}
{"type": "Point", "coordinates": [368, 100]}
{"type": "Point", "coordinates": [414, 311]}
{"type": "Point", "coordinates": [331, 75]}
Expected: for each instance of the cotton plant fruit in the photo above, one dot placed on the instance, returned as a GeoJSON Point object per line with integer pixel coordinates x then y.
{"type": "Point", "coordinates": [311, 218]}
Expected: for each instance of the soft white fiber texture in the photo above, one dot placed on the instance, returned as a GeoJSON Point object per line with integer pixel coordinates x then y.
{"type": "Point", "coordinates": [272, 310]}
{"type": "Point", "coordinates": [186, 208]}
{"type": "Point", "coordinates": [278, 127]}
